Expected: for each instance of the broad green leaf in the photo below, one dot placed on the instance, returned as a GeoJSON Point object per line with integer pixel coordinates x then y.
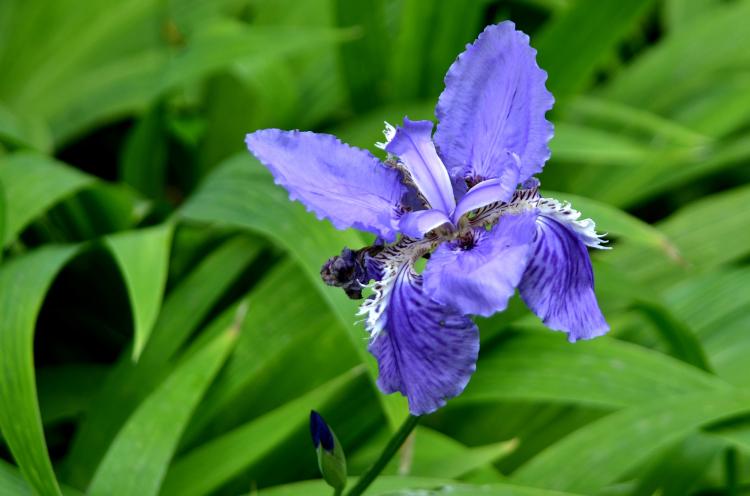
{"type": "Point", "coordinates": [629, 437]}
{"type": "Point", "coordinates": [659, 78]}
{"type": "Point", "coordinates": [23, 283]}
{"type": "Point", "coordinates": [196, 474]}
{"type": "Point", "coordinates": [12, 483]}
{"type": "Point", "coordinates": [144, 157]}
{"type": "Point", "coordinates": [143, 258]}
{"type": "Point", "coordinates": [33, 183]}
{"type": "Point", "coordinates": [129, 382]}
{"type": "Point", "coordinates": [280, 330]}
{"type": "Point", "coordinates": [616, 116]}
{"type": "Point", "coordinates": [434, 455]}
{"type": "Point", "coordinates": [680, 14]}
{"type": "Point", "coordinates": [603, 372]}
{"type": "Point", "coordinates": [241, 193]}
{"type": "Point", "coordinates": [138, 458]}
{"type": "Point", "coordinates": [702, 232]}
{"type": "Point", "coordinates": [391, 486]}
{"type": "Point", "coordinates": [66, 391]}
{"type": "Point", "coordinates": [26, 133]}
{"type": "Point", "coordinates": [614, 221]}
{"type": "Point", "coordinates": [576, 143]}
{"type": "Point", "coordinates": [575, 43]}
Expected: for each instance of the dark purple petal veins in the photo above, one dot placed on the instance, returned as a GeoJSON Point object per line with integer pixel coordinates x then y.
{"type": "Point", "coordinates": [425, 350]}
{"type": "Point", "coordinates": [558, 285]}
{"type": "Point", "coordinates": [344, 184]}
{"type": "Point", "coordinates": [494, 103]}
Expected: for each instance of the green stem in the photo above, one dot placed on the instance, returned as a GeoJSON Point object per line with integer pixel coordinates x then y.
{"type": "Point", "coordinates": [391, 448]}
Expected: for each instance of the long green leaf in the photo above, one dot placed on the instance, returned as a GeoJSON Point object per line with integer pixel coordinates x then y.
{"type": "Point", "coordinates": [604, 372]}
{"type": "Point", "coordinates": [140, 454]}
{"type": "Point", "coordinates": [629, 437]}
{"type": "Point", "coordinates": [143, 258]}
{"type": "Point", "coordinates": [33, 183]}
{"type": "Point", "coordinates": [195, 474]}
{"type": "Point", "coordinates": [129, 383]}
{"type": "Point", "coordinates": [23, 283]}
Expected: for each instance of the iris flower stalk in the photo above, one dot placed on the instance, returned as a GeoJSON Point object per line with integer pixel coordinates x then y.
{"type": "Point", "coordinates": [466, 198]}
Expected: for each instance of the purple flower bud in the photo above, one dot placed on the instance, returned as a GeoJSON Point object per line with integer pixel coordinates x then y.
{"type": "Point", "coordinates": [321, 434]}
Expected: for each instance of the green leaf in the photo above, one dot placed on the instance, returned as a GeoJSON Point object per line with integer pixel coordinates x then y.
{"type": "Point", "coordinates": [630, 437]}
{"type": "Point", "coordinates": [129, 383]}
{"type": "Point", "coordinates": [603, 372]}
{"type": "Point", "coordinates": [241, 193]}
{"type": "Point", "coordinates": [23, 283]}
{"type": "Point", "coordinates": [660, 78]}
{"type": "Point", "coordinates": [196, 474]}
{"type": "Point", "coordinates": [143, 161]}
{"type": "Point", "coordinates": [575, 43]}
{"type": "Point", "coordinates": [13, 483]}
{"type": "Point", "coordinates": [391, 486]}
{"type": "Point", "coordinates": [138, 458]}
{"type": "Point", "coordinates": [614, 221]}
{"type": "Point", "coordinates": [143, 258]}
{"type": "Point", "coordinates": [33, 183]}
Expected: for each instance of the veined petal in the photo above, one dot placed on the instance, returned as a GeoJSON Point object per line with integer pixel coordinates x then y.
{"type": "Point", "coordinates": [425, 350]}
{"type": "Point", "coordinates": [494, 102]}
{"type": "Point", "coordinates": [481, 277]}
{"type": "Point", "coordinates": [344, 184]}
{"type": "Point", "coordinates": [490, 191]}
{"type": "Point", "coordinates": [558, 285]}
{"type": "Point", "coordinates": [412, 143]}
{"type": "Point", "coordinates": [417, 224]}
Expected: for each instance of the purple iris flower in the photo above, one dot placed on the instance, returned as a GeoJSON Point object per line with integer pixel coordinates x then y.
{"type": "Point", "coordinates": [464, 198]}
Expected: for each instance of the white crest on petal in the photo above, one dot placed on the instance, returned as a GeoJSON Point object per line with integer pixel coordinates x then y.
{"type": "Point", "coordinates": [389, 132]}
{"type": "Point", "coordinates": [565, 214]}
{"type": "Point", "coordinates": [393, 259]}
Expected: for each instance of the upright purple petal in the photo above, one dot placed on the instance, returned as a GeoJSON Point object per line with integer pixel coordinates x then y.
{"type": "Point", "coordinates": [494, 103]}
{"type": "Point", "coordinates": [425, 350]}
{"type": "Point", "coordinates": [344, 184]}
{"type": "Point", "coordinates": [479, 275]}
{"type": "Point", "coordinates": [558, 285]}
{"type": "Point", "coordinates": [412, 143]}
{"type": "Point", "coordinates": [417, 224]}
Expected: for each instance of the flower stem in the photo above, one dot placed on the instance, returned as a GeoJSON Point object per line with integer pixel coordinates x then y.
{"type": "Point", "coordinates": [391, 448]}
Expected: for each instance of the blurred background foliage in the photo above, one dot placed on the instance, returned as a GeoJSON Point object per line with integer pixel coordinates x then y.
{"type": "Point", "coordinates": [163, 329]}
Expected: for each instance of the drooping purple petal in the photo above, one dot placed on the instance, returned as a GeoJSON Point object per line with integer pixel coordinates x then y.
{"type": "Point", "coordinates": [558, 285]}
{"type": "Point", "coordinates": [494, 103]}
{"type": "Point", "coordinates": [425, 350]}
{"type": "Point", "coordinates": [412, 143]}
{"type": "Point", "coordinates": [417, 224]}
{"type": "Point", "coordinates": [347, 185]}
{"type": "Point", "coordinates": [480, 276]}
{"type": "Point", "coordinates": [490, 191]}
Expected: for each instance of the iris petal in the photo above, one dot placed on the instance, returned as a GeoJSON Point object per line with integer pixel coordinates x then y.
{"type": "Point", "coordinates": [412, 143]}
{"type": "Point", "coordinates": [425, 350]}
{"type": "Point", "coordinates": [347, 185]}
{"type": "Point", "coordinates": [479, 279]}
{"type": "Point", "coordinates": [417, 224]}
{"type": "Point", "coordinates": [487, 192]}
{"type": "Point", "coordinates": [558, 285]}
{"type": "Point", "coordinates": [494, 102]}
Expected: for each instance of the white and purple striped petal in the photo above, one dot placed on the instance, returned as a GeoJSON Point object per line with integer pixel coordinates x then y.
{"type": "Point", "coordinates": [412, 143]}
{"type": "Point", "coordinates": [477, 276]}
{"type": "Point", "coordinates": [425, 350]}
{"type": "Point", "coordinates": [494, 103]}
{"type": "Point", "coordinates": [344, 184]}
{"type": "Point", "coordinates": [558, 285]}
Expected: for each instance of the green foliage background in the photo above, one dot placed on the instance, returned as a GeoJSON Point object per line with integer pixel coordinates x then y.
{"type": "Point", "coordinates": [162, 326]}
